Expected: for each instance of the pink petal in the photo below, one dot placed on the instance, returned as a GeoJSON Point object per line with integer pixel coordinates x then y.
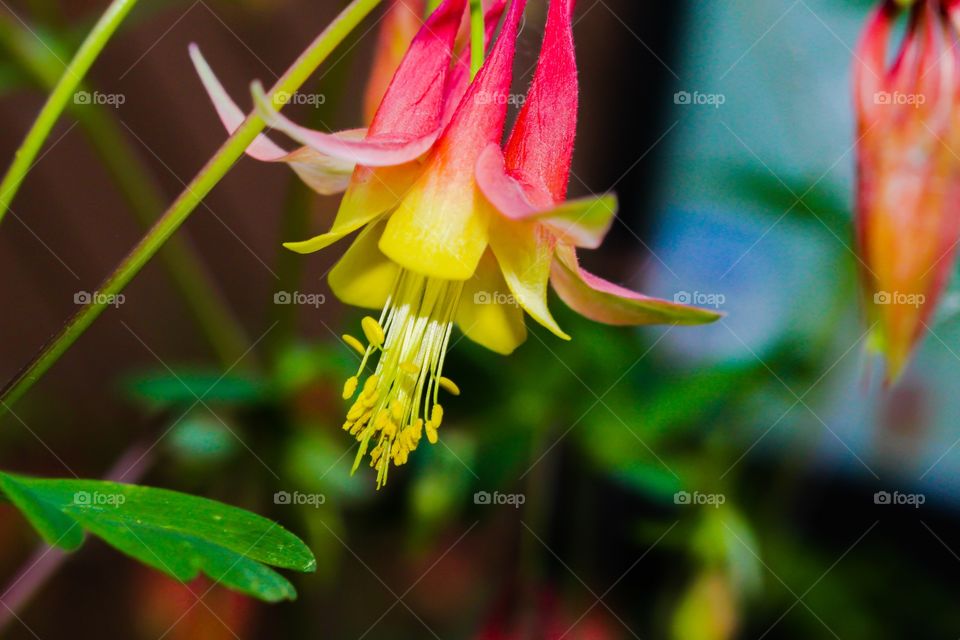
{"type": "Point", "coordinates": [540, 148]}
{"type": "Point", "coordinates": [408, 121]}
{"type": "Point", "coordinates": [400, 24]}
{"type": "Point", "coordinates": [460, 74]}
{"type": "Point", "coordinates": [325, 174]}
{"type": "Point", "coordinates": [262, 148]}
{"type": "Point", "coordinates": [505, 192]}
{"type": "Point", "coordinates": [582, 223]}
{"type": "Point", "coordinates": [869, 65]}
{"type": "Point", "coordinates": [382, 150]}
{"type": "Point", "coordinates": [439, 229]}
{"type": "Point", "coordinates": [602, 301]}
{"type": "Point", "coordinates": [413, 103]}
{"type": "Point", "coordinates": [481, 114]}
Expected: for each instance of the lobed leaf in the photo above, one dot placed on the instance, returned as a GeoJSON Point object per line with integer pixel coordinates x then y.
{"type": "Point", "coordinates": [178, 534]}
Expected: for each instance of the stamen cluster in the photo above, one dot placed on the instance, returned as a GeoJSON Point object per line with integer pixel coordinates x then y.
{"type": "Point", "coordinates": [399, 402]}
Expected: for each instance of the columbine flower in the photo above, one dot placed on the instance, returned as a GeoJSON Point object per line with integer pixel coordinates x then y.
{"type": "Point", "coordinates": [465, 234]}
{"type": "Point", "coordinates": [908, 223]}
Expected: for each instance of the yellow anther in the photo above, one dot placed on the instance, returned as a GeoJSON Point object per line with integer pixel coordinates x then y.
{"type": "Point", "coordinates": [450, 386]}
{"type": "Point", "coordinates": [350, 387]}
{"type": "Point", "coordinates": [390, 429]}
{"type": "Point", "coordinates": [355, 411]}
{"type": "Point", "coordinates": [373, 331]}
{"type": "Point", "coordinates": [404, 349]}
{"type": "Point", "coordinates": [354, 344]}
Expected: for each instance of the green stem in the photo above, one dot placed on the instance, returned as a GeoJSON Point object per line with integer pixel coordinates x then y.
{"type": "Point", "coordinates": [64, 91]}
{"type": "Point", "coordinates": [199, 291]}
{"type": "Point", "coordinates": [183, 206]}
{"type": "Point", "coordinates": [477, 37]}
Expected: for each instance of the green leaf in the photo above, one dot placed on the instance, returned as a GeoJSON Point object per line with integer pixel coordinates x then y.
{"type": "Point", "coordinates": [175, 533]}
{"type": "Point", "coordinates": [184, 387]}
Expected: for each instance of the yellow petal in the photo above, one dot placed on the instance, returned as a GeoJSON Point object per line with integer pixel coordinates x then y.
{"type": "Point", "coordinates": [440, 228]}
{"type": "Point", "coordinates": [372, 192]}
{"type": "Point", "coordinates": [364, 277]}
{"type": "Point", "coordinates": [525, 253]}
{"type": "Point", "coordinates": [487, 314]}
